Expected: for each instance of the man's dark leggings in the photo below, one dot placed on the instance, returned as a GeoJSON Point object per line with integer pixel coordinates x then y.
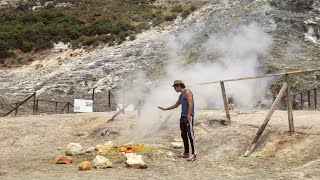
{"type": "Point", "coordinates": [187, 134]}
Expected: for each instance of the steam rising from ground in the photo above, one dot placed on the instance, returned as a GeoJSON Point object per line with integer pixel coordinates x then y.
{"type": "Point", "coordinates": [231, 55]}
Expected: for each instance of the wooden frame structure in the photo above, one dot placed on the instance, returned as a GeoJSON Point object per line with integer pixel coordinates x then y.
{"type": "Point", "coordinates": [284, 90]}
{"type": "Point", "coordinates": [66, 107]}
{"type": "Point", "coordinates": [21, 103]}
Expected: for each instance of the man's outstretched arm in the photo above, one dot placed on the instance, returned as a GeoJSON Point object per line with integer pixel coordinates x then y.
{"type": "Point", "coordinates": [171, 107]}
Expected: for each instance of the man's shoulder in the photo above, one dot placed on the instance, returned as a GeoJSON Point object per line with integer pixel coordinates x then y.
{"type": "Point", "coordinates": [188, 91]}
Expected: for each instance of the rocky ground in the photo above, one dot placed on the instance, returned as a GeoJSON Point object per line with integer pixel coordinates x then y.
{"type": "Point", "coordinates": [29, 145]}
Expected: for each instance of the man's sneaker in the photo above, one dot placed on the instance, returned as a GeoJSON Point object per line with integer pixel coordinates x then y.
{"type": "Point", "coordinates": [183, 155]}
{"type": "Point", "coordinates": [193, 157]}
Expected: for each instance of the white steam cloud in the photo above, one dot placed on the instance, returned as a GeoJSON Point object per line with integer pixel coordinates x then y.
{"type": "Point", "coordinates": [231, 55]}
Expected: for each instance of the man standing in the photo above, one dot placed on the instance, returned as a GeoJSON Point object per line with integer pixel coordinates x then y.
{"type": "Point", "coordinates": [186, 120]}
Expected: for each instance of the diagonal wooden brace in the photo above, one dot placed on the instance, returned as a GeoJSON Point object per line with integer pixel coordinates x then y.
{"type": "Point", "coordinates": [264, 124]}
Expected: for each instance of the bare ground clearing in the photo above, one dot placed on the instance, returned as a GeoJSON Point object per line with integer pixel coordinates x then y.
{"type": "Point", "coordinates": [29, 144]}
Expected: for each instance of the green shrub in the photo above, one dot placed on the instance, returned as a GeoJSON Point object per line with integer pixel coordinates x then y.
{"type": "Point", "coordinates": [193, 8]}
{"type": "Point", "coordinates": [185, 14]}
{"type": "Point", "coordinates": [144, 25]}
{"type": "Point", "coordinates": [170, 17]}
{"type": "Point", "coordinates": [157, 21]}
{"type": "Point", "coordinates": [116, 30]}
{"type": "Point", "coordinates": [125, 25]}
{"type": "Point", "coordinates": [83, 24]}
{"type": "Point", "coordinates": [177, 8]}
{"type": "Point", "coordinates": [111, 44]}
{"type": "Point", "coordinates": [3, 45]}
{"type": "Point", "coordinates": [105, 38]}
{"type": "Point", "coordinates": [87, 41]}
{"type": "Point", "coordinates": [27, 46]}
{"type": "Point", "coordinates": [101, 26]}
{"type": "Point", "coordinates": [75, 44]}
{"type": "Point", "coordinates": [132, 37]}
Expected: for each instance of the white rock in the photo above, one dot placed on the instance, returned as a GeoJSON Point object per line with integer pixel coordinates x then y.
{"type": "Point", "coordinates": [90, 150]}
{"type": "Point", "coordinates": [74, 149]}
{"type": "Point", "coordinates": [176, 145]}
{"type": "Point", "coordinates": [135, 161]}
{"type": "Point", "coordinates": [109, 143]}
{"type": "Point", "coordinates": [100, 162]}
{"type": "Point", "coordinates": [170, 154]}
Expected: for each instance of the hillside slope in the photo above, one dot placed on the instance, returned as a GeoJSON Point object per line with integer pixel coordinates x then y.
{"type": "Point", "coordinates": [290, 23]}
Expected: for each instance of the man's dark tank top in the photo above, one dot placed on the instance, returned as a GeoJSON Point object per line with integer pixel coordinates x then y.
{"type": "Point", "coordinates": [185, 105]}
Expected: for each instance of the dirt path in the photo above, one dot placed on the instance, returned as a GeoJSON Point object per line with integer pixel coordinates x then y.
{"type": "Point", "coordinates": [29, 145]}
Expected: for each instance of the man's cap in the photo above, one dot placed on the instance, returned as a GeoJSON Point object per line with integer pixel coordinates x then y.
{"type": "Point", "coordinates": [177, 82]}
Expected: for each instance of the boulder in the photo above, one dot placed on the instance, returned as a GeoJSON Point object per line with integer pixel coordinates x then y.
{"type": "Point", "coordinates": [109, 143]}
{"type": "Point", "coordinates": [135, 161]}
{"type": "Point", "coordinates": [170, 154]}
{"type": "Point", "coordinates": [63, 160]}
{"type": "Point", "coordinates": [103, 148]}
{"type": "Point", "coordinates": [176, 145]}
{"type": "Point", "coordinates": [85, 165]}
{"type": "Point", "coordinates": [90, 150]}
{"type": "Point", "coordinates": [100, 162]}
{"type": "Point", "coordinates": [74, 149]}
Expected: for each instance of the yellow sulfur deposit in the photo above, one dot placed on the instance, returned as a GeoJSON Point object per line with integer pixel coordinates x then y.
{"type": "Point", "coordinates": [133, 148]}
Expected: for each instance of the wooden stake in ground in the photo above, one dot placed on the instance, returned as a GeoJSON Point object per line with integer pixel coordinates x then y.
{"type": "Point", "coordinates": [315, 98]}
{"type": "Point", "coordinates": [309, 102]}
{"type": "Point", "coordinates": [289, 104]}
{"type": "Point", "coordinates": [165, 121]}
{"type": "Point", "coordinates": [225, 102]}
{"type": "Point", "coordinates": [119, 112]}
{"type": "Point", "coordinates": [301, 100]}
{"type": "Point", "coordinates": [264, 124]}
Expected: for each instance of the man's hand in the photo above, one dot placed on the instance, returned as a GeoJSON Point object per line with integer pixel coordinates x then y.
{"type": "Point", "coordinates": [188, 118]}
{"type": "Point", "coordinates": [163, 109]}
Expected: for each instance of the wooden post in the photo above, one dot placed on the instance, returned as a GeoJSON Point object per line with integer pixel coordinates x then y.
{"type": "Point", "coordinates": [114, 116]}
{"type": "Point", "coordinates": [56, 107]}
{"type": "Point", "coordinates": [289, 104]}
{"type": "Point", "coordinates": [34, 104]}
{"type": "Point", "coordinates": [225, 102]}
{"type": "Point", "coordinates": [315, 98]}
{"type": "Point", "coordinates": [109, 99]}
{"type": "Point", "coordinates": [309, 104]}
{"type": "Point", "coordinates": [301, 100]}
{"type": "Point", "coordinates": [16, 111]}
{"type": "Point", "coordinates": [264, 124]}
{"type": "Point", "coordinates": [64, 107]}
{"type": "Point", "coordinates": [93, 90]}
{"type": "Point", "coordinates": [37, 107]}
{"type": "Point", "coordinates": [68, 107]}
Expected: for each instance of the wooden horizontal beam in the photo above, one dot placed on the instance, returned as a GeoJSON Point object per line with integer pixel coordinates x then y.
{"type": "Point", "coordinates": [262, 76]}
{"type": "Point", "coordinates": [50, 101]}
